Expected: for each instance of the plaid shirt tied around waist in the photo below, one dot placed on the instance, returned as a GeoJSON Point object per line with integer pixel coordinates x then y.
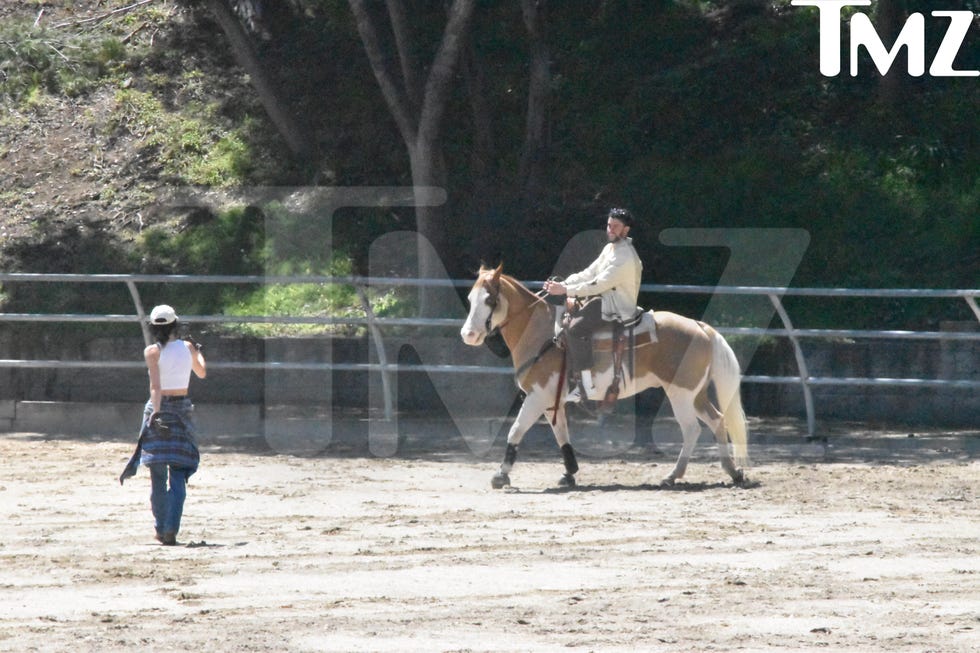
{"type": "Point", "coordinates": [168, 436]}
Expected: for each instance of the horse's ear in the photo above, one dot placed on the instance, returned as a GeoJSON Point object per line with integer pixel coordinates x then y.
{"type": "Point", "coordinates": [497, 271]}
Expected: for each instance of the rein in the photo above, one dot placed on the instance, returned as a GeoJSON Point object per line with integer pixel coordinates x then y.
{"type": "Point", "coordinates": [492, 301]}
{"type": "Point", "coordinates": [493, 305]}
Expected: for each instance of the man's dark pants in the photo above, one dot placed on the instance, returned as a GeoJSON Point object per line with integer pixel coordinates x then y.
{"type": "Point", "coordinates": [581, 326]}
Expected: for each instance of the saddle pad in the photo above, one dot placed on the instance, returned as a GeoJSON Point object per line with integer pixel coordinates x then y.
{"type": "Point", "coordinates": [642, 334]}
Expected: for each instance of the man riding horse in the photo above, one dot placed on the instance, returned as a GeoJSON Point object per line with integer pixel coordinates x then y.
{"type": "Point", "coordinates": [605, 292]}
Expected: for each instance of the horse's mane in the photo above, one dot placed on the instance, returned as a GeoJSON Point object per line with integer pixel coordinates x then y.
{"type": "Point", "coordinates": [486, 274]}
{"type": "Point", "coordinates": [520, 286]}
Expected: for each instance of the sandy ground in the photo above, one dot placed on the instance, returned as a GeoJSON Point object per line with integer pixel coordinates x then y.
{"type": "Point", "coordinates": [870, 545]}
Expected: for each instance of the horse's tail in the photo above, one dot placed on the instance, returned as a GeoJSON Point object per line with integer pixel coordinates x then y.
{"type": "Point", "coordinates": [726, 375]}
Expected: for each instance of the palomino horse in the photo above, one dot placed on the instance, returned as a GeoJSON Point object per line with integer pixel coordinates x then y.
{"type": "Point", "coordinates": [685, 358]}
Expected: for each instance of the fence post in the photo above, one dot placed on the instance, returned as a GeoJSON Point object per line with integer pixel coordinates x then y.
{"type": "Point", "coordinates": [139, 311]}
{"type": "Point", "coordinates": [800, 363]}
{"type": "Point", "coordinates": [380, 347]}
{"type": "Point", "coordinates": [972, 301]}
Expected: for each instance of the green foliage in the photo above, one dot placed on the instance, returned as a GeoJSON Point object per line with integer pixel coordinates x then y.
{"type": "Point", "coordinates": [300, 300]}
{"type": "Point", "coordinates": [227, 162]}
{"type": "Point", "coordinates": [230, 243]}
{"type": "Point", "coordinates": [191, 145]}
{"type": "Point", "coordinates": [736, 128]}
{"type": "Point", "coordinates": [35, 61]}
{"type": "Point", "coordinates": [269, 241]}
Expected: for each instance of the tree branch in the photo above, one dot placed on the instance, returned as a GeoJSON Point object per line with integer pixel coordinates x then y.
{"type": "Point", "coordinates": [534, 153]}
{"type": "Point", "coordinates": [406, 55]}
{"type": "Point", "coordinates": [394, 97]}
{"type": "Point", "coordinates": [482, 158]}
{"type": "Point", "coordinates": [297, 141]}
{"type": "Point", "coordinates": [443, 69]}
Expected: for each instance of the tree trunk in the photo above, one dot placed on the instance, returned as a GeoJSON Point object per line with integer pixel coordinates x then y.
{"type": "Point", "coordinates": [406, 53]}
{"type": "Point", "coordinates": [535, 154]}
{"type": "Point", "coordinates": [402, 110]}
{"type": "Point", "coordinates": [429, 172]}
{"type": "Point", "coordinates": [890, 17]}
{"type": "Point", "coordinates": [297, 140]}
{"type": "Point", "coordinates": [483, 157]}
{"type": "Point", "coordinates": [420, 121]}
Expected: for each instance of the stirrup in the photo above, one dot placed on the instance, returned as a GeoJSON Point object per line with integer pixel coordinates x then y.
{"type": "Point", "coordinates": [574, 395]}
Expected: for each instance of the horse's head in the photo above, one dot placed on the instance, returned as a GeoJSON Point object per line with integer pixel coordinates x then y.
{"type": "Point", "coordinates": [487, 307]}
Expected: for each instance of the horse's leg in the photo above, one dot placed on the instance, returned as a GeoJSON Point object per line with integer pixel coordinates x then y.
{"type": "Point", "coordinates": [716, 422]}
{"type": "Point", "coordinates": [683, 405]}
{"type": "Point", "coordinates": [530, 411]}
{"type": "Point", "coordinates": [560, 429]}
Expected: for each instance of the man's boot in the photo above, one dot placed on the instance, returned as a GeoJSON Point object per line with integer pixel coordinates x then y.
{"type": "Point", "coordinates": [574, 393]}
{"type": "Point", "coordinates": [579, 387]}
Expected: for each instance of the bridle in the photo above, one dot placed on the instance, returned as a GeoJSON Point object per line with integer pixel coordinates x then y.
{"type": "Point", "coordinates": [493, 333]}
{"type": "Point", "coordinates": [493, 301]}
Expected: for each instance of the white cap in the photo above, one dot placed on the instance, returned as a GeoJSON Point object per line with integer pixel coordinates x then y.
{"type": "Point", "coordinates": [162, 314]}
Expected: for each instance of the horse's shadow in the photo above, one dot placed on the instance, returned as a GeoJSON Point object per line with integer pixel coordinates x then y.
{"type": "Point", "coordinates": [650, 487]}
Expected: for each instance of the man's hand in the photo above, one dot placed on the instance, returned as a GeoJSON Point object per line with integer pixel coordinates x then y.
{"type": "Point", "coordinates": [555, 287]}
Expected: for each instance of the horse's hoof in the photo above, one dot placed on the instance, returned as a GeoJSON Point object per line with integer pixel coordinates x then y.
{"type": "Point", "coordinates": [566, 481]}
{"type": "Point", "coordinates": [667, 482]}
{"type": "Point", "coordinates": [739, 477]}
{"type": "Point", "coordinates": [499, 481]}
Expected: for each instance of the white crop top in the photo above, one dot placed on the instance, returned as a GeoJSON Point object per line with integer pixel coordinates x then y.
{"type": "Point", "coordinates": [175, 365]}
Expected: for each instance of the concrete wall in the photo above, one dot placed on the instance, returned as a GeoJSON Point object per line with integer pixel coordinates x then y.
{"type": "Point", "coordinates": [110, 400]}
{"type": "Point", "coordinates": [895, 359]}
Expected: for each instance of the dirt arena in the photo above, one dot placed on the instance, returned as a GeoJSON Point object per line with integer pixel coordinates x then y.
{"type": "Point", "coordinates": [870, 544]}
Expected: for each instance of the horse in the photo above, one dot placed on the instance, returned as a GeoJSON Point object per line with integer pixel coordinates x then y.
{"type": "Point", "coordinates": [685, 358]}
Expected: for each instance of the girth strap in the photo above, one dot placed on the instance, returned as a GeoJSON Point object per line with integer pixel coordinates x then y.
{"type": "Point", "coordinates": [530, 363]}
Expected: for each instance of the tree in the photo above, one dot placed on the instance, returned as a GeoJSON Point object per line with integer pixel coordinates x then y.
{"type": "Point", "coordinates": [296, 138]}
{"type": "Point", "coordinates": [890, 16]}
{"type": "Point", "coordinates": [534, 157]}
{"type": "Point", "coordinates": [417, 105]}
{"type": "Point", "coordinates": [483, 157]}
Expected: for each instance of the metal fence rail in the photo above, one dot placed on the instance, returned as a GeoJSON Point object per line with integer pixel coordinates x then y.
{"type": "Point", "coordinates": [376, 325]}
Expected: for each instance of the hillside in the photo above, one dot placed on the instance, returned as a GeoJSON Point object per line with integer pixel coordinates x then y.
{"type": "Point", "coordinates": [80, 158]}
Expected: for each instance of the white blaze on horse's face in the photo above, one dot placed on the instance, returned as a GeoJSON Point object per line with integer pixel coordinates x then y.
{"type": "Point", "coordinates": [474, 330]}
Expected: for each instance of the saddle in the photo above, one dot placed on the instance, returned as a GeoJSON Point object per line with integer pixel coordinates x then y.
{"type": "Point", "coordinates": [618, 339]}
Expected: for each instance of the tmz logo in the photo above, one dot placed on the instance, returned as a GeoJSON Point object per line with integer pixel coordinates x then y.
{"type": "Point", "coordinates": [911, 37]}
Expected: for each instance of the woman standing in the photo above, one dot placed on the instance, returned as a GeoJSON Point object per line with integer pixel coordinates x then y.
{"type": "Point", "coordinates": [169, 448]}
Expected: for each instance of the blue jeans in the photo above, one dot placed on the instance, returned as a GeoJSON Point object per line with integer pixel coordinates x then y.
{"type": "Point", "coordinates": [167, 504]}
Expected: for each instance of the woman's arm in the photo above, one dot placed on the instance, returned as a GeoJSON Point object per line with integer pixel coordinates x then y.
{"type": "Point", "coordinates": [198, 364]}
{"type": "Point", "coordinates": [152, 357]}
